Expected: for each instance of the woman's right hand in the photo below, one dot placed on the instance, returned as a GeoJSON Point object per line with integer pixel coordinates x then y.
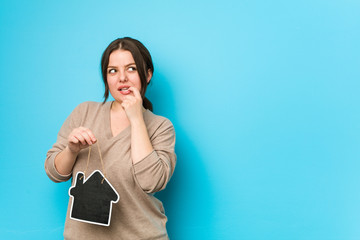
{"type": "Point", "coordinates": [80, 138]}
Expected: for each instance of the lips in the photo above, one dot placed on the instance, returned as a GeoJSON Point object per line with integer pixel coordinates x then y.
{"type": "Point", "coordinates": [124, 90]}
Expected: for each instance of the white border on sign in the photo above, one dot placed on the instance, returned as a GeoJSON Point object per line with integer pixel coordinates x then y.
{"type": "Point", "coordinates": [111, 202]}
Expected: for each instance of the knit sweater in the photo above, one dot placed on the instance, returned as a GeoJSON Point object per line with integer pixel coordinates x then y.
{"type": "Point", "coordinates": [138, 214]}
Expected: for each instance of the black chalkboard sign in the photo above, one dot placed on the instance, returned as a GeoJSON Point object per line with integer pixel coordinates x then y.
{"type": "Point", "coordinates": [92, 199]}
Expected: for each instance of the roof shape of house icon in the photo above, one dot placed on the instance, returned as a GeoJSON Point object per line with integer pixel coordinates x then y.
{"type": "Point", "coordinates": [92, 199]}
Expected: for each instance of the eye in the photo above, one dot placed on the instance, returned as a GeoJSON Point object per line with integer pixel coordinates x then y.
{"type": "Point", "coordinates": [111, 71]}
{"type": "Point", "coordinates": [132, 69]}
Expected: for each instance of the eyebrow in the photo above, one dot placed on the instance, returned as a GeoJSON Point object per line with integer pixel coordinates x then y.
{"type": "Point", "coordinates": [125, 65]}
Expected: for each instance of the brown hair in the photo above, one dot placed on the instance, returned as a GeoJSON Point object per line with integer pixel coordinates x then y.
{"type": "Point", "coordinates": [142, 59]}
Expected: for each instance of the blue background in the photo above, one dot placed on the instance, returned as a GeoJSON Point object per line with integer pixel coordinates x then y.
{"type": "Point", "coordinates": [264, 96]}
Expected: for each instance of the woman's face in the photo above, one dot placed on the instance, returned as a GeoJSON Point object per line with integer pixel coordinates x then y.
{"type": "Point", "coordinates": [121, 74]}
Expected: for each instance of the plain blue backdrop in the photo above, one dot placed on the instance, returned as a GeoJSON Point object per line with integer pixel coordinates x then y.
{"type": "Point", "coordinates": [264, 96]}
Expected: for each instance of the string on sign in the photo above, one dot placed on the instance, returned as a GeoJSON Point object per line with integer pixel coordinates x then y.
{"type": "Point", "coordinates": [88, 160]}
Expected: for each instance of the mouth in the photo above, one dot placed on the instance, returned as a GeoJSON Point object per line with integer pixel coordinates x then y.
{"type": "Point", "coordinates": [124, 90]}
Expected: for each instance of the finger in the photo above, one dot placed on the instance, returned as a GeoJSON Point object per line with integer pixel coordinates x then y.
{"type": "Point", "coordinates": [92, 136]}
{"type": "Point", "coordinates": [81, 139]}
{"type": "Point", "coordinates": [129, 98]}
{"type": "Point", "coordinates": [88, 133]}
{"type": "Point", "coordinates": [87, 138]}
{"type": "Point", "coordinates": [125, 105]}
{"type": "Point", "coordinates": [136, 92]}
{"type": "Point", "coordinates": [73, 139]}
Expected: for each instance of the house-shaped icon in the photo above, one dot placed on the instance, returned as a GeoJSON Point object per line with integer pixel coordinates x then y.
{"type": "Point", "coordinates": [92, 199]}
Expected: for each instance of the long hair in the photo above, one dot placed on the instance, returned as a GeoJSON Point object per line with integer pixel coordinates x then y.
{"type": "Point", "coordinates": [142, 59]}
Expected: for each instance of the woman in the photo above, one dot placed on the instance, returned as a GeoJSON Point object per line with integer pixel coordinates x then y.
{"type": "Point", "coordinates": [136, 146]}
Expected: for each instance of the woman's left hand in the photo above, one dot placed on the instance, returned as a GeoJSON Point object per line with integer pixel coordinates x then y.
{"type": "Point", "coordinates": [140, 142]}
{"type": "Point", "coordinates": [132, 104]}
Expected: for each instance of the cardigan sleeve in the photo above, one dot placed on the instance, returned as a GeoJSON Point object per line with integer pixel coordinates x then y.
{"type": "Point", "coordinates": [155, 170]}
{"type": "Point", "coordinates": [70, 123]}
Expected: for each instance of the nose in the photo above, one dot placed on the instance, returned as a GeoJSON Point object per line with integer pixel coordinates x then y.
{"type": "Point", "coordinates": [122, 76]}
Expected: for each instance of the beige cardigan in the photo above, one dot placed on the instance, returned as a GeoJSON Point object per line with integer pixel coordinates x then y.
{"type": "Point", "coordinates": [138, 214]}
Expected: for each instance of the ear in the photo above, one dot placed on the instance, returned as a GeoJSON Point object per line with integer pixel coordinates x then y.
{"type": "Point", "coordinates": [149, 76]}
